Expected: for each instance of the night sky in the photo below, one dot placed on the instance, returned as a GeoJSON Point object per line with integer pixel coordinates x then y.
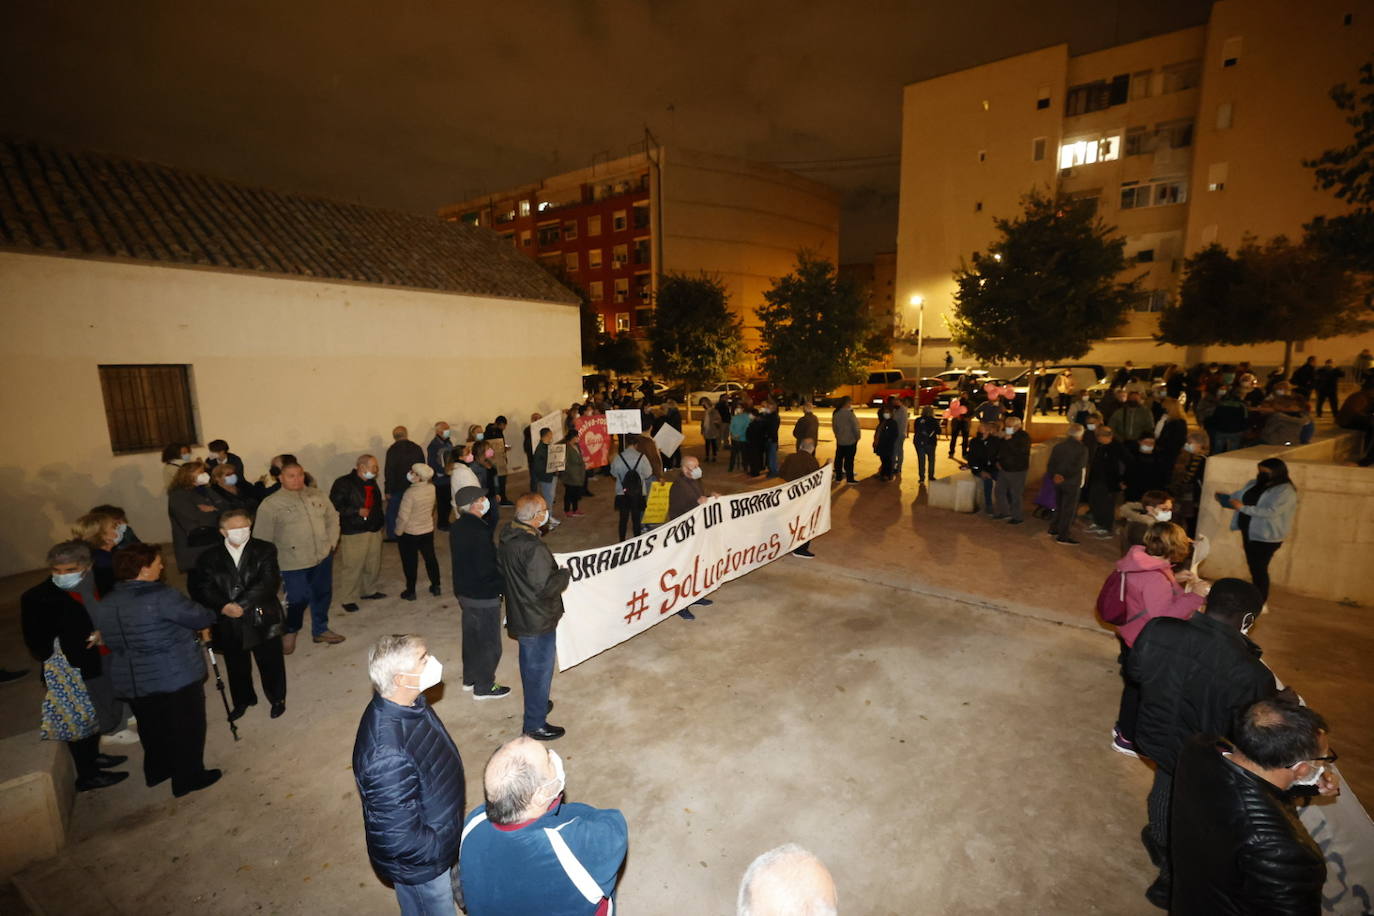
{"type": "Point", "coordinates": [415, 104]}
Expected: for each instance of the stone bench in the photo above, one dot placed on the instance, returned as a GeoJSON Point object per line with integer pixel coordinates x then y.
{"type": "Point", "coordinates": [958, 492]}
{"type": "Point", "coordinates": [37, 787]}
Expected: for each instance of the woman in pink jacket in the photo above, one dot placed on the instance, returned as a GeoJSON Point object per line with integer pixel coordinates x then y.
{"type": "Point", "coordinates": [1151, 591]}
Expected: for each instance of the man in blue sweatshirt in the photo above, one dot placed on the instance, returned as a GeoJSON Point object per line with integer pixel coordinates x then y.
{"type": "Point", "coordinates": [528, 851]}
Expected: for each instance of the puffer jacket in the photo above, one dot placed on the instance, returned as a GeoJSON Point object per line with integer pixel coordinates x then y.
{"type": "Point", "coordinates": [410, 779]}
{"type": "Point", "coordinates": [1238, 846]}
{"type": "Point", "coordinates": [252, 584]}
{"type": "Point", "coordinates": [303, 525]}
{"type": "Point", "coordinates": [416, 513]}
{"type": "Point", "coordinates": [1151, 592]}
{"type": "Point", "coordinates": [534, 583]}
{"type": "Point", "coordinates": [150, 630]}
{"type": "Point", "coordinates": [1194, 675]}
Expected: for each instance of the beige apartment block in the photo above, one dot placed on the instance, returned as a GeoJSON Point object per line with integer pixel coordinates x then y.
{"type": "Point", "coordinates": [1182, 139]}
{"type": "Point", "coordinates": [616, 226]}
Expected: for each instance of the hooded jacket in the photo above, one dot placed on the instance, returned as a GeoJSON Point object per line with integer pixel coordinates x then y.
{"type": "Point", "coordinates": [410, 779]}
{"type": "Point", "coordinates": [534, 583]}
{"type": "Point", "coordinates": [1151, 589]}
{"type": "Point", "coordinates": [1194, 675]}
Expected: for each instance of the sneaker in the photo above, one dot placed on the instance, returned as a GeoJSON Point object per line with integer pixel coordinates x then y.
{"type": "Point", "coordinates": [328, 637]}
{"type": "Point", "coordinates": [1122, 746]}
{"type": "Point", "coordinates": [1063, 540]}
{"type": "Point", "coordinates": [408, 595]}
{"type": "Point", "coordinates": [686, 614]}
{"type": "Point", "coordinates": [494, 692]}
{"type": "Point", "coordinates": [468, 687]}
{"type": "Point", "coordinates": [123, 736]}
{"type": "Point", "coordinates": [804, 552]}
{"type": "Point", "coordinates": [702, 602]}
{"type": "Point", "coordinates": [436, 591]}
{"type": "Point", "coordinates": [1103, 534]}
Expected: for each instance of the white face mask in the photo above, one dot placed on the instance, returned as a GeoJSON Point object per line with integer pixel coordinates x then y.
{"type": "Point", "coordinates": [412, 478]}
{"type": "Point", "coordinates": [431, 674]}
{"type": "Point", "coordinates": [1011, 431]}
{"type": "Point", "coordinates": [231, 479]}
{"type": "Point", "coordinates": [1164, 515]}
{"type": "Point", "coordinates": [1146, 449]}
{"type": "Point", "coordinates": [238, 536]}
{"type": "Point", "coordinates": [1092, 426]}
{"type": "Point", "coordinates": [1246, 623]}
{"type": "Point", "coordinates": [1190, 448]}
{"type": "Point", "coordinates": [202, 479]}
{"type": "Point", "coordinates": [694, 473]}
{"type": "Point", "coordinates": [120, 531]}
{"type": "Point", "coordinates": [446, 433]}
{"type": "Point", "coordinates": [1310, 780]}
{"type": "Point", "coordinates": [369, 475]}
{"type": "Point", "coordinates": [560, 776]}
{"type": "Point", "coordinates": [481, 506]}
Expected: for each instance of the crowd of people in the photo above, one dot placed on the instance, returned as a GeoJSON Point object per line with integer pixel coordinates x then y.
{"type": "Point", "coordinates": [259, 555]}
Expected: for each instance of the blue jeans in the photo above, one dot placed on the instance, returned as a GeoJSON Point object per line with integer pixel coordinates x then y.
{"type": "Point", "coordinates": [313, 587]}
{"type": "Point", "coordinates": [536, 677]}
{"type": "Point", "coordinates": [1226, 442]}
{"type": "Point", "coordinates": [925, 459]}
{"type": "Point", "coordinates": [989, 507]}
{"type": "Point", "coordinates": [393, 508]}
{"type": "Point", "coordinates": [772, 451]}
{"type": "Point", "coordinates": [548, 489]}
{"type": "Point", "coordinates": [433, 898]}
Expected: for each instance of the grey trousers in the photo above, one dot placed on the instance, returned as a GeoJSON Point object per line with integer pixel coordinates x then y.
{"type": "Point", "coordinates": [1010, 493]}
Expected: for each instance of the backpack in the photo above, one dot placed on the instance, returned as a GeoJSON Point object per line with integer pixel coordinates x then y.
{"type": "Point", "coordinates": [1111, 600]}
{"type": "Point", "coordinates": [632, 484]}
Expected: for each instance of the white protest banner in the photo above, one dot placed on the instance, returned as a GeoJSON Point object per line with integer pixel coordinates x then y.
{"type": "Point", "coordinates": [558, 458]}
{"type": "Point", "coordinates": [667, 439]}
{"type": "Point", "coordinates": [626, 422]}
{"type": "Point", "coordinates": [1341, 828]}
{"type": "Point", "coordinates": [553, 421]}
{"type": "Point", "coordinates": [621, 590]}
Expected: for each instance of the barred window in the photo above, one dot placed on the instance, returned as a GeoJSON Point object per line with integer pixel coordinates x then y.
{"type": "Point", "coordinates": [147, 406]}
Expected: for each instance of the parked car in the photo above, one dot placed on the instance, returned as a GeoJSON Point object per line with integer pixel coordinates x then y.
{"type": "Point", "coordinates": [862, 392]}
{"type": "Point", "coordinates": [594, 383]}
{"type": "Point", "coordinates": [716, 392]}
{"type": "Point", "coordinates": [1085, 376]}
{"type": "Point", "coordinates": [952, 379]}
{"type": "Point", "coordinates": [928, 388]}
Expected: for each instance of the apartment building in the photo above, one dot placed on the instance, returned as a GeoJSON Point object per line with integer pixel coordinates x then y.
{"type": "Point", "coordinates": [1183, 139]}
{"type": "Point", "coordinates": [617, 225]}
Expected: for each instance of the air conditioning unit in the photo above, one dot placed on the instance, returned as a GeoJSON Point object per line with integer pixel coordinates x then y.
{"type": "Point", "coordinates": [1066, 173]}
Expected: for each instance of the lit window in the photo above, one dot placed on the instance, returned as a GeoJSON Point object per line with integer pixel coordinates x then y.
{"type": "Point", "coordinates": [1038, 149]}
{"type": "Point", "coordinates": [600, 323]}
{"type": "Point", "coordinates": [597, 290]}
{"type": "Point", "coordinates": [622, 289]}
{"type": "Point", "coordinates": [593, 225]}
{"type": "Point", "coordinates": [618, 221]}
{"type": "Point", "coordinates": [545, 205]}
{"type": "Point", "coordinates": [524, 208]}
{"type": "Point", "coordinates": [619, 255]}
{"type": "Point", "coordinates": [1170, 192]}
{"type": "Point", "coordinates": [1086, 152]}
{"type": "Point", "coordinates": [594, 259]}
{"type": "Point", "coordinates": [570, 230]}
{"type": "Point", "coordinates": [622, 321]}
{"type": "Point", "coordinates": [1216, 176]}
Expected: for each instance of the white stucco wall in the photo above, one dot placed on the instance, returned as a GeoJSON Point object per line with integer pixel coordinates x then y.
{"type": "Point", "coordinates": [321, 369]}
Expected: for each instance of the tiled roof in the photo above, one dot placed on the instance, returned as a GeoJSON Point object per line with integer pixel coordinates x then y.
{"type": "Point", "coordinates": [87, 204]}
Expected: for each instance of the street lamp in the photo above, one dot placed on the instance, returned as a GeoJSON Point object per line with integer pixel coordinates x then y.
{"type": "Point", "coordinates": [919, 303]}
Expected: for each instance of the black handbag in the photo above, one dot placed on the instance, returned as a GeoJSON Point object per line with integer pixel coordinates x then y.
{"type": "Point", "coordinates": [268, 624]}
{"type": "Point", "coordinates": [204, 536]}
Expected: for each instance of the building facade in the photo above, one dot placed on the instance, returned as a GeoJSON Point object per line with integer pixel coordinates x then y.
{"type": "Point", "coordinates": [145, 305]}
{"type": "Point", "coordinates": [1183, 139]}
{"type": "Point", "coordinates": [614, 227]}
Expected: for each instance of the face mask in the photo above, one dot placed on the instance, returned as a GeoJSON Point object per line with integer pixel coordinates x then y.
{"type": "Point", "coordinates": [1310, 780]}
{"type": "Point", "coordinates": [560, 776]}
{"type": "Point", "coordinates": [694, 473]}
{"type": "Point", "coordinates": [1164, 515]}
{"type": "Point", "coordinates": [67, 581]}
{"type": "Point", "coordinates": [231, 479]}
{"type": "Point", "coordinates": [369, 475]}
{"type": "Point", "coordinates": [1146, 449]}
{"type": "Point", "coordinates": [446, 433]}
{"type": "Point", "coordinates": [481, 506]}
{"type": "Point", "coordinates": [1190, 448]}
{"type": "Point", "coordinates": [886, 415]}
{"type": "Point", "coordinates": [1011, 431]}
{"type": "Point", "coordinates": [412, 478]}
{"type": "Point", "coordinates": [481, 436]}
{"type": "Point", "coordinates": [237, 537]}
{"type": "Point", "coordinates": [431, 674]}
{"type": "Point", "coordinates": [1246, 623]}
{"type": "Point", "coordinates": [120, 530]}
{"type": "Point", "coordinates": [489, 453]}
{"type": "Point", "coordinates": [202, 479]}
{"type": "Point", "coordinates": [183, 459]}
{"type": "Point", "coordinates": [1092, 426]}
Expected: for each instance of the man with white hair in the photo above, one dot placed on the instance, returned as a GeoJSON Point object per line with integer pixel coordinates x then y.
{"type": "Point", "coordinates": [787, 881]}
{"type": "Point", "coordinates": [358, 568]}
{"type": "Point", "coordinates": [534, 605]}
{"type": "Point", "coordinates": [410, 778]}
{"type": "Point", "coordinates": [528, 851]}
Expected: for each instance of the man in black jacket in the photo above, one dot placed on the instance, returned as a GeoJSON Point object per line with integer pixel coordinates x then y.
{"type": "Point", "coordinates": [57, 609]}
{"type": "Point", "coordinates": [1068, 460]}
{"type": "Point", "coordinates": [1195, 675]}
{"type": "Point", "coordinates": [497, 430]}
{"type": "Point", "coordinates": [1013, 461]}
{"type": "Point", "coordinates": [1238, 846]}
{"type": "Point", "coordinates": [1106, 479]}
{"type": "Point", "coordinates": [239, 580]}
{"type": "Point", "coordinates": [534, 605]}
{"type": "Point", "coordinates": [478, 585]}
{"type": "Point", "coordinates": [358, 566]}
{"type": "Point", "coordinates": [400, 455]}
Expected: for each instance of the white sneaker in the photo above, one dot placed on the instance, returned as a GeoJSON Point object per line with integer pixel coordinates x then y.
{"type": "Point", "coordinates": [123, 736]}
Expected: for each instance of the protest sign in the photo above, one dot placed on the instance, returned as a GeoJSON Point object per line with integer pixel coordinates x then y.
{"type": "Point", "coordinates": [627, 422]}
{"type": "Point", "coordinates": [553, 421]}
{"type": "Point", "coordinates": [621, 590]}
{"type": "Point", "coordinates": [558, 458]}
{"type": "Point", "coordinates": [667, 439]}
{"type": "Point", "coordinates": [498, 458]}
{"type": "Point", "coordinates": [594, 441]}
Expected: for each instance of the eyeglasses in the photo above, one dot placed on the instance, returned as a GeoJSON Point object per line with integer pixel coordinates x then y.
{"type": "Point", "coordinates": [1329, 758]}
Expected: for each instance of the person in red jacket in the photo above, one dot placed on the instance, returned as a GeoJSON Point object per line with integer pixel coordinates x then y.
{"type": "Point", "coordinates": [1151, 591]}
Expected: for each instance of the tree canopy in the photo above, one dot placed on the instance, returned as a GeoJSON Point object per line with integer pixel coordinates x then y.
{"type": "Point", "coordinates": [1348, 172]}
{"type": "Point", "coordinates": [619, 354]}
{"type": "Point", "coordinates": [817, 333]}
{"type": "Point", "coordinates": [1265, 292]}
{"type": "Point", "coordinates": [694, 337]}
{"type": "Point", "coordinates": [1047, 289]}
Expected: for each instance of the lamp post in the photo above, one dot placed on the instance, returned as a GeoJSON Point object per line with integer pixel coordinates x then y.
{"type": "Point", "coordinates": [919, 302]}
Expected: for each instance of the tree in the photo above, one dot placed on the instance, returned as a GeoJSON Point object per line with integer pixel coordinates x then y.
{"type": "Point", "coordinates": [695, 338]}
{"type": "Point", "coordinates": [1274, 291]}
{"type": "Point", "coordinates": [817, 333]}
{"type": "Point", "coordinates": [1046, 290]}
{"type": "Point", "coordinates": [619, 354]}
{"type": "Point", "coordinates": [1348, 172]}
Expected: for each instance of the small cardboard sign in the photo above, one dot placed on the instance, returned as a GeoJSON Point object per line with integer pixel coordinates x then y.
{"type": "Point", "coordinates": [558, 458]}
{"type": "Point", "coordinates": [624, 422]}
{"type": "Point", "coordinates": [668, 439]}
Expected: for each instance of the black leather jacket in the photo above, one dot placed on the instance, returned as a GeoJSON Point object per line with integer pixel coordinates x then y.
{"type": "Point", "coordinates": [349, 495]}
{"type": "Point", "coordinates": [1194, 675]}
{"type": "Point", "coordinates": [1237, 844]}
{"type": "Point", "coordinates": [534, 583]}
{"type": "Point", "coordinates": [252, 585]}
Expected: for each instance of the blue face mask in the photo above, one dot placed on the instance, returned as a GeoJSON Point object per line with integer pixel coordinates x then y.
{"type": "Point", "coordinates": [231, 479]}
{"type": "Point", "coordinates": [481, 436]}
{"type": "Point", "coordinates": [67, 581]}
{"type": "Point", "coordinates": [368, 475]}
